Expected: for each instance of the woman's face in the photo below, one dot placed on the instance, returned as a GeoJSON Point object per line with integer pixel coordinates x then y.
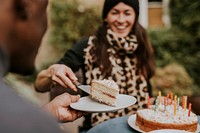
{"type": "Point", "coordinates": [121, 19]}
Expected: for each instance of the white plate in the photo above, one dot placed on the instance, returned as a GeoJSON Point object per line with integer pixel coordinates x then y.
{"type": "Point", "coordinates": [131, 123]}
{"type": "Point", "coordinates": [175, 131]}
{"type": "Point", "coordinates": [89, 105]}
{"type": "Point", "coordinates": [169, 131]}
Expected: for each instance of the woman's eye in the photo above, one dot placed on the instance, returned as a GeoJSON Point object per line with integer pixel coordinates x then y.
{"type": "Point", "coordinates": [114, 13]}
{"type": "Point", "coordinates": [127, 13]}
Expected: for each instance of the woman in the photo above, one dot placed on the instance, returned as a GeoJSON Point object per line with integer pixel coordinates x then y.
{"type": "Point", "coordinates": [120, 50]}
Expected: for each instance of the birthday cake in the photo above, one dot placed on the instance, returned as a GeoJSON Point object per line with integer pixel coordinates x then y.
{"type": "Point", "coordinates": [166, 117]}
{"type": "Point", "coordinates": [104, 91]}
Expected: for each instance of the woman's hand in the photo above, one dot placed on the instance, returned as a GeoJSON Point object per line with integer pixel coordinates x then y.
{"type": "Point", "coordinates": [55, 74]}
{"type": "Point", "coordinates": [62, 75]}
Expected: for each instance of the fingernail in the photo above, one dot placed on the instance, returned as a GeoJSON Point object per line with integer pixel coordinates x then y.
{"type": "Point", "coordinates": [75, 78]}
{"type": "Point", "coordinates": [75, 89]}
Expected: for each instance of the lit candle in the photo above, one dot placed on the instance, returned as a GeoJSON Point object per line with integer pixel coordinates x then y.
{"type": "Point", "coordinates": [189, 109]}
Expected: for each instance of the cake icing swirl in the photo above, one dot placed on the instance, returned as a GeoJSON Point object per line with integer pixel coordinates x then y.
{"type": "Point", "coordinates": [108, 83]}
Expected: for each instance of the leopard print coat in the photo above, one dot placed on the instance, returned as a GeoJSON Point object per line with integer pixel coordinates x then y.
{"type": "Point", "coordinates": [124, 72]}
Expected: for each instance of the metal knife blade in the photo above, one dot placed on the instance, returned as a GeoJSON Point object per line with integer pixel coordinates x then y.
{"type": "Point", "coordinates": [85, 88]}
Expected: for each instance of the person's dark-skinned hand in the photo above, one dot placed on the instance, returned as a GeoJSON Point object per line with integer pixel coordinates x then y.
{"type": "Point", "coordinates": [60, 108]}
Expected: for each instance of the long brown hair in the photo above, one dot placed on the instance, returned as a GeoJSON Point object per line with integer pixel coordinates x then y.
{"type": "Point", "coordinates": [144, 52]}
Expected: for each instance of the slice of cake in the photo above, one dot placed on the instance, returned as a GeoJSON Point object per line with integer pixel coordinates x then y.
{"type": "Point", "coordinates": [104, 91]}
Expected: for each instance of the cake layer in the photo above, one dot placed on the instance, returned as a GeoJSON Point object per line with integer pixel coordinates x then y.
{"type": "Point", "coordinates": [107, 83]}
{"type": "Point", "coordinates": [103, 98]}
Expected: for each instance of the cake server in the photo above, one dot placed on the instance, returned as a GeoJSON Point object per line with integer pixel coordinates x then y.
{"type": "Point", "coordinates": [85, 88]}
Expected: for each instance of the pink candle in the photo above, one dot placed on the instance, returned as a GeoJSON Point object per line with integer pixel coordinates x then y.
{"type": "Point", "coordinates": [171, 98]}
{"type": "Point", "coordinates": [189, 109]}
{"type": "Point", "coordinates": [148, 102]}
{"type": "Point", "coordinates": [183, 102]}
{"type": "Point", "coordinates": [167, 95]}
{"type": "Point", "coordinates": [165, 101]}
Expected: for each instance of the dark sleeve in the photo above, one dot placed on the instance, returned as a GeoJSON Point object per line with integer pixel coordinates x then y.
{"type": "Point", "coordinates": [73, 58]}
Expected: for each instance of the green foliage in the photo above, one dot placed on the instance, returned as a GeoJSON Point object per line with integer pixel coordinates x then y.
{"type": "Point", "coordinates": [172, 78]}
{"type": "Point", "coordinates": [180, 42]}
{"type": "Point", "coordinates": [70, 21]}
{"type": "Point", "coordinates": [185, 15]}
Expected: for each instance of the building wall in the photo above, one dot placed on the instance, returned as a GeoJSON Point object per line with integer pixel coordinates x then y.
{"type": "Point", "coordinates": [155, 13]}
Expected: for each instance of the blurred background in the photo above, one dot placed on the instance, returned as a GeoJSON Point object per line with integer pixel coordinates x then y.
{"type": "Point", "coordinates": [174, 30]}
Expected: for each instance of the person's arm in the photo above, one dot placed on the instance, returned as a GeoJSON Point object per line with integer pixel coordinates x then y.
{"type": "Point", "coordinates": [60, 73]}
{"type": "Point", "coordinates": [43, 81]}
{"type": "Point", "coordinates": [59, 108]}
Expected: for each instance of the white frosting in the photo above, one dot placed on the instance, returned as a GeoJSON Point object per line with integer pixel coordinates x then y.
{"type": "Point", "coordinates": [108, 83]}
{"type": "Point", "coordinates": [167, 116]}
